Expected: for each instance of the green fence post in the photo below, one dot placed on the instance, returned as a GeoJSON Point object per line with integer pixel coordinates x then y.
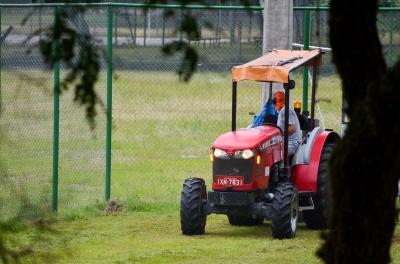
{"type": "Point", "coordinates": [145, 27]}
{"type": "Point", "coordinates": [391, 36]}
{"type": "Point", "coordinates": [1, 44]}
{"type": "Point", "coordinates": [163, 31]}
{"type": "Point", "coordinates": [109, 102]}
{"type": "Point", "coordinates": [306, 43]}
{"type": "Point", "coordinates": [56, 125]}
{"type": "Point", "coordinates": [181, 17]}
{"type": "Point", "coordinates": [135, 28]}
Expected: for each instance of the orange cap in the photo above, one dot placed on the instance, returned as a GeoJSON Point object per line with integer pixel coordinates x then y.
{"type": "Point", "coordinates": [279, 100]}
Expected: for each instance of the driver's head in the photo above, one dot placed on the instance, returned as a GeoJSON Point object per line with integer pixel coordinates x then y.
{"type": "Point", "coordinates": [279, 97]}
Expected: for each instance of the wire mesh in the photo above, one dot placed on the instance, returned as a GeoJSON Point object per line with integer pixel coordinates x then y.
{"type": "Point", "coordinates": [26, 116]}
{"type": "Point", "coordinates": [162, 128]}
{"type": "Point", "coordinates": [329, 95]}
{"type": "Point", "coordinates": [82, 151]}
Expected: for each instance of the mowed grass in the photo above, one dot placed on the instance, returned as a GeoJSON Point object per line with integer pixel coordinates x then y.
{"type": "Point", "coordinates": [155, 237]}
{"type": "Point", "coordinates": [162, 133]}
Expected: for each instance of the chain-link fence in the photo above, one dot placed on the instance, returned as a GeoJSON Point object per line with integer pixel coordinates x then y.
{"type": "Point", "coordinates": [162, 129]}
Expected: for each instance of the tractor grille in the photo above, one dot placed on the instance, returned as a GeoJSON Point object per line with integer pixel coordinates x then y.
{"type": "Point", "coordinates": [233, 167]}
{"type": "Point", "coordinates": [230, 198]}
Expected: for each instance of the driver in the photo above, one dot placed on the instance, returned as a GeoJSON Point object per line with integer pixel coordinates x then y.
{"type": "Point", "coordinates": [294, 125]}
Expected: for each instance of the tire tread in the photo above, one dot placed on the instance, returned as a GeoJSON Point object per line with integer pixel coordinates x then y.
{"type": "Point", "coordinates": [193, 218]}
{"type": "Point", "coordinates": [317, 219]}
{"type": "Point", "coordinates": [281, 211]}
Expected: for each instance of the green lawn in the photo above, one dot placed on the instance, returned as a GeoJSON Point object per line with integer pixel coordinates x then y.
{"type": "Point", "coordinates": [162, 132]}
{"type": "Point", "coordinates": [155, 237]}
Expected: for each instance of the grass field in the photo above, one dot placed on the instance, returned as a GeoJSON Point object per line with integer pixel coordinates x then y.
{"type": "Point", "coordinates": [155, 237]}
{"type": "Point", "coordinates": [162, 132]}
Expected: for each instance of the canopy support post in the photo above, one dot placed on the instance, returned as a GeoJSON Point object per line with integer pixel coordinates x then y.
{"type": "Point", "coordinates": [234, 99]}
{"type": "Point", "coordinates": [313, 94]}
{"type": "Point", "coordinates": [286, 127]}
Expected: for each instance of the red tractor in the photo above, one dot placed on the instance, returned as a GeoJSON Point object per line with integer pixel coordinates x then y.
{"type": "Point", "coordinates": [253, 176]}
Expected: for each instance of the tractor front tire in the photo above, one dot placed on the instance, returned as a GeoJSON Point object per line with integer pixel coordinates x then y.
{"type": "Point", "coordinates": [193, 198]}
{"type": "Point", "coordinates": [244, 221]}
{"type": "Point", "coordinates": [285, 211]}
{"type": "Point", "coordinates": [317, 218]}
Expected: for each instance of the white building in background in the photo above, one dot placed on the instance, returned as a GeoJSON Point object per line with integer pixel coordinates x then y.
{"type": "Point", "coordinates": [17, 1]}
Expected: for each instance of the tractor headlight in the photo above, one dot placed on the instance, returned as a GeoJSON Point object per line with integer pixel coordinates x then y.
{"type": "Point", "coordinates": [244, 154]}
{"type": "Point", "coordinates": [219, 153]}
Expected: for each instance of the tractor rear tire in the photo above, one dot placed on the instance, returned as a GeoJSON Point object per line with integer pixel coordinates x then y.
{"type": "Point", "coordinates": [285, 211]}
{"type": "Point", "coordinates": [193, 198]}
{"type": "Point", "coordinates": [317, 218]}
{"type": "Point", "coordinates": [244, 221]}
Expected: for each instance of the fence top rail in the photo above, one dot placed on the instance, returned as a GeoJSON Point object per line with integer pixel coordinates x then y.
{"type": "Point", "coordinates": [137, 5]}
{"type": "Point", "coordinates": [165, 6]}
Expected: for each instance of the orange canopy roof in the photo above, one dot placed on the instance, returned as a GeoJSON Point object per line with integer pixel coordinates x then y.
{"type": "Point", "coordinates": [276, 65]}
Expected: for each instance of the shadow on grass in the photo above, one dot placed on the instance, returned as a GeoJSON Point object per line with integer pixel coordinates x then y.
{"type": "Point", "coordinates": [261, 231]}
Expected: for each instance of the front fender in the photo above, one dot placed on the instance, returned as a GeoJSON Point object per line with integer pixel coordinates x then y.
{"type": "Point", "coordinates": [305, 175]}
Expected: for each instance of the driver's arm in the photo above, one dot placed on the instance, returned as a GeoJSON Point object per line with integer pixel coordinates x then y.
{"type": "Point", "coordinates": [291, 129]}
{"type": "Point", "coordinates": [292, 122]}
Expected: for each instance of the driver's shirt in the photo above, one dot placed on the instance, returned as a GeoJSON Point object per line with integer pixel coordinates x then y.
{"type": "Point", "coordinates": [295, 138]}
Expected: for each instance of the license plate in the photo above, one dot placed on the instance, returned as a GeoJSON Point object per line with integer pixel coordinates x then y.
{"type": "Point", "coordinates": [230, 180]}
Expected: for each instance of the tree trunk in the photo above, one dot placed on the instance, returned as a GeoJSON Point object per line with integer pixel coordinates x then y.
{"type": "Point", "coordinates": [277, 32]}
{"type": "Point", "coordinates": [278, 25]}
{"type": "Point", "coordinates": [366, 164]}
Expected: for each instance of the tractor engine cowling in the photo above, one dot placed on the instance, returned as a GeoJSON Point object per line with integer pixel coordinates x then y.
{"type": "Point", "coordinates": [242, 159]}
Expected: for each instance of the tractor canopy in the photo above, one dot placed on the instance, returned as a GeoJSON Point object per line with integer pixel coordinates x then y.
{"type": "Point", "coordinates": [276, 65]}
{"type": "Point", "coordinates": [246, 138]}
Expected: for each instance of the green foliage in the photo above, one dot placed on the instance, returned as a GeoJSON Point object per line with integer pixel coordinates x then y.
{"type": "Point", "coordinates": [77, 51]}
{"type": "Point", "coordinates": [82, 58]}
{"type": "Point", "coordinates": [188, 31]}
{"type": "Point", "coordinates": [189, 60]}
{"type": "Point", "coordinates": [19, 240]}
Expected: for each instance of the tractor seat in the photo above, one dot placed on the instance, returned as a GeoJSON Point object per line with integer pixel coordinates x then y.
{"type": "Point", "coordinates": [304, 122]}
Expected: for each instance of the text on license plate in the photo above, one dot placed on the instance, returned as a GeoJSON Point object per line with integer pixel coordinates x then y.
{"type": "Point", "coordinates": [230, 180]}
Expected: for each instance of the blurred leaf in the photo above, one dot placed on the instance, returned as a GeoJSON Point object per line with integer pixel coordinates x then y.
{"type": "Point", "coordinates": [27, 16]}
{"type": "Point", "coordinates": [171, 48]}
{"type": "Point", "coordinates": [169, 13]}
{"type": "Point", "coordinates": [189, 60]}
{"type": "Point", "coordinates": [82, 56]}
{"type": "Point", "coordinates": [79, 52]}
{"type": "Point", "coordinates": [190, 28]}
{"type": "Point", "coordinates": [189, 65]}
{"type": "Point", "coordinates": [208, 25]}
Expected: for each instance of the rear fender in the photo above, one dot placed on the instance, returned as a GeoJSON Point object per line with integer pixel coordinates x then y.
{"type": "Point", "coordinates": [303, 153]}
{"type": "Point", "coordinates": [305, 175]}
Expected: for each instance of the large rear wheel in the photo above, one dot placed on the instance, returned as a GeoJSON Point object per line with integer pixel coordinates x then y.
{"type": "Point", "coordinates": [285, 211]}
{"type": "Point", "coordinates": [317, 218]}
{"type": "Point", "coordinates": [193, 198]}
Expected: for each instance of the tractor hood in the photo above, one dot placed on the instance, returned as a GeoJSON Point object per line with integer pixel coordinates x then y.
{"type": "Point", "coordinates": [245, 138]}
